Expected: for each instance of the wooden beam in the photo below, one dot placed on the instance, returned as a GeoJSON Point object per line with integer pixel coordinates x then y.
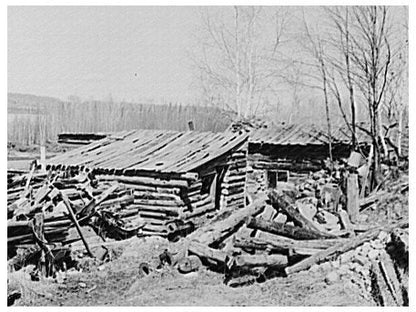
{"type": "Point", "coordinates": [353, 205]}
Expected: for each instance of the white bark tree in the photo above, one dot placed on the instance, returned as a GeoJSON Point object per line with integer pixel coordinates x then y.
{"type": "Point", "coordinates": [237, 54]}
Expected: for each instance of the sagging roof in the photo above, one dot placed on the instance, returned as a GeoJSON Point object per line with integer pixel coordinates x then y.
{"type": "Point", "coordinates": [152, 150]}
{"type": "Point", "coordinates": [304, 135]}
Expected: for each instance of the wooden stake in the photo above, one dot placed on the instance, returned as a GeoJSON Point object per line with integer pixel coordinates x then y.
{"type": "Point", "coordinates": [353, 204]}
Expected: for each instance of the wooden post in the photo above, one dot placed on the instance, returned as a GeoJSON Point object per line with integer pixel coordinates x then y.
{"type": "Point", "coordinates": [368, 169]}
{"type": "Point", "coordinates": [43, 157]}
{"type": "Point", "coordinates": [191, 125]}
{"type": "Point", "coordinates": [353, 205]}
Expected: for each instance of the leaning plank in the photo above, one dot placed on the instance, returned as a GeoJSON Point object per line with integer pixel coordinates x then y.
{"type": "Point", "coordinates": [283, 229]}
{"type": "Point", "coordinates": [342, 247]}
{"type": "Point", "coordinates": [74, 219]}
{"type": "Point", "coordinates": [220, 228]}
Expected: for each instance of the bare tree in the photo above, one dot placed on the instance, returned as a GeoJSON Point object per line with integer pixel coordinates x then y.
{"type": "Point", "coordinates": [317, 50]}
{"type": "Point", "coordinates": [341, 43]}
{"type": "Point", "coordinates": [238, 54]}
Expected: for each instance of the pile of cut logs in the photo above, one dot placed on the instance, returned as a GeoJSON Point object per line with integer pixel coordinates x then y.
{"type": "Point", "coordinates": [247, 245]}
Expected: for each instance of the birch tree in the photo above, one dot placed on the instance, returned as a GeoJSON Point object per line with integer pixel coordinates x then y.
{"type": "Point", "coordinates": [237, 55]}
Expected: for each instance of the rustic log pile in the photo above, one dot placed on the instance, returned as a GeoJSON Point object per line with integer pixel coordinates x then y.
{"type": "Point", "coordinates": [247, 245]}
{"type": "Point", "coordinates": [50, 211]}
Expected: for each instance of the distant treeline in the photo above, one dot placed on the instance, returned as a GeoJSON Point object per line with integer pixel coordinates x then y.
{"type": "Point", "coordinates": [32, 120]}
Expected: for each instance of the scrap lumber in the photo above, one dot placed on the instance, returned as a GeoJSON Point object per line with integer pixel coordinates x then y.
{"type": "Point", "coordinates": [343, 247]}
{"type": "Point", "coordinates": [283, 229]}
{"type": "Point", "coordinates": [219, 229]}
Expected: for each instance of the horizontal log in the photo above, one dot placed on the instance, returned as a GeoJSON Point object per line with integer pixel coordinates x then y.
{"type": "Point", "coordinates": [233, 178]}
{"type": "Point", "coordinates": [156, 189]}
{"type": "Point", "coordinates": [155, 228]}
{"type": "Point", "coordinates": [197, 211]}
{"type": "Point", "coordinates": [124, 200]}
{"type": "Point", "coordinates": [156, 196]}
{"type": "Point", "coordinates": [158, 214]}
{"type": "Point", "coordinates": [145, 181]}
{"type": "Point", "coordinates": [296, 247]}
{"type": "Point", "coordinates": [250, 261]}
{"type": "Point", "coordinates": [153, 221]}
{"type": "Point", "coordinates": [158, 203]}
{"type": "Point", "coordinates": [145, 232]}
{"type": "Point", "coordinates": [291, 231]}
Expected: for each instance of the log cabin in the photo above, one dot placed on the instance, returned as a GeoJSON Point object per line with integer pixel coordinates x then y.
{"type": "Point", "coordinates": [289, 153]}
{"type": "Point", "coordinates": [174, 176]}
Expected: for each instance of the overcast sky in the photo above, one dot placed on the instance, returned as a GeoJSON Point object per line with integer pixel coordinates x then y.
{"type": "Point", "coordinates": [129, 52]}
{"type": "Point", "coordinates": [132, 53]}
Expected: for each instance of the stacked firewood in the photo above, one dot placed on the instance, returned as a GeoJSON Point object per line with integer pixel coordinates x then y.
{"type": "Point", "coordinates": [44, 207]}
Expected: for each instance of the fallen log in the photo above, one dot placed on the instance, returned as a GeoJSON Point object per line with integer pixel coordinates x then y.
{"type": "Point", "coordinates": [226, 223]}
{"type": "Point", "coordinates": [211, 255]}
{"type": "Point", "coordinates": [342, 247]}
{"type": "Point", "coordinates": [282, 245]}
{"type": "Point", "coordinates": [282, 201]}
{"type": "Point", "coordinates": [283, 229]}
{"type": "Point", "coordinates": [250, 261]}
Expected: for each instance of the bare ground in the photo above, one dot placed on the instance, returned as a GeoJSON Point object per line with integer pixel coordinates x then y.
{"type": "Point", "coordinates": [119, 283]}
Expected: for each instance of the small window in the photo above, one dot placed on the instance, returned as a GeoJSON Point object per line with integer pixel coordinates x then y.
{"type": "Point", "coordinates": [283, 176]}
{"type": "Point", "coordinates": [274, 176]}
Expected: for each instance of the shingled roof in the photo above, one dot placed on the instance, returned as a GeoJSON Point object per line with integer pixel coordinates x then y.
{"type": "Point", "coordinates": [152, 150]}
